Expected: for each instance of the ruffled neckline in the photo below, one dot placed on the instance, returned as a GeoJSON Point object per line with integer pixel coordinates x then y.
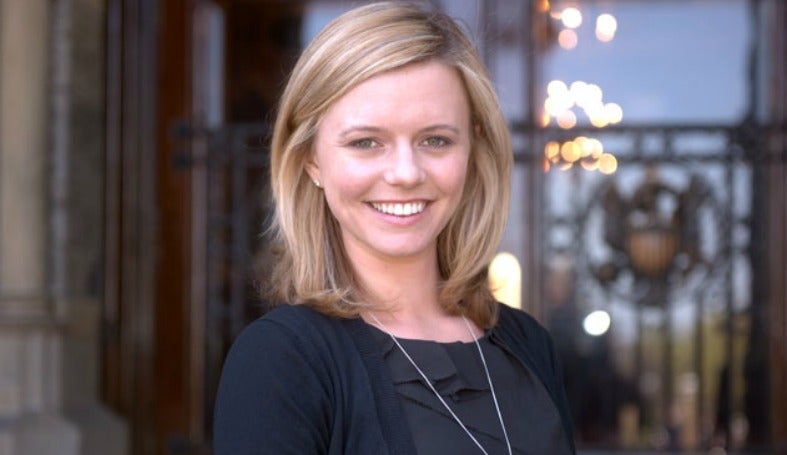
{"type": "Point", "coordinates": [454, 368]}
{"type": "Point", "coordinates": [457, 373]}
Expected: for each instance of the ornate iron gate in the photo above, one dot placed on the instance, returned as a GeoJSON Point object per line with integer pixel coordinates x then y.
{"type": "Point", "coordinates": [666, 248]}
{"type": "Point", "coordinates": [668, 245]}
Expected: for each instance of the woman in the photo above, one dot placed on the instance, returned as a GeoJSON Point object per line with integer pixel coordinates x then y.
{"type": "Point", "coordinates": [390, 165]}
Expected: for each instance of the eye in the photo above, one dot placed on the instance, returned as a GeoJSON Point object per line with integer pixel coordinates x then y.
{"type": "Point", "coordinates": [436, 141]}
{"type": "Point", "coordinates": [365, 143]}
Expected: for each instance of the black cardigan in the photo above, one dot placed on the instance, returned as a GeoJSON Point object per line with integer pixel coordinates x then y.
{"type": "Point", "coordinates": [299, 382]}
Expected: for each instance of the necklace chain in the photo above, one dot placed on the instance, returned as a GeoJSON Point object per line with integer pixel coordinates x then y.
{"type": "Point", "coordinates": [439, 397]}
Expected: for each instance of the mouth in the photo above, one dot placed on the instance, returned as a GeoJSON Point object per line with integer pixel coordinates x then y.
{"type": "Point", "coordinates": [399, 208]}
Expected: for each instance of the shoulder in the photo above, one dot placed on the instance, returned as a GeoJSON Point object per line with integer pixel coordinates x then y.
{"type": "Point", "coordinates": [297, 317]}
{"type": "Point", "coordinates": [276, 390]}
{"type": "Point", "coordinates": [288, 327]}
{"type": "Point", "coordinates": [525, 335]}
{"type": "Point", "coordinates": [283, 337]}
{"type": "Point", "coordinates": [520, 323]}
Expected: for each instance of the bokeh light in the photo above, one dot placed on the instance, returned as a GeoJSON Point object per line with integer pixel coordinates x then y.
{"type": "Point", "coordinates": [566, 119]}
{"type": "Point", "coordinates": [556, 88]}
{"type": "Point", "coordinates": [552, 151]}
{"type": "Point", "coordinates": [570, 151]}
{"type": "Point", "coordinates": [545, 119]}
{"type": "Point", "coordinates": [597, 323]}
{"type": "Point", "coordinates": [607, 163]}
{"type": "Point", "coordinates": [571, 17]}
{"type": "Point", "coordinates": [505, 279]}
{"type": "Point", "coordinates": [567, 39]}
{"type": "Point", "coordinates": [589, 164]}
{"type": "Point", "coordinates": [613, 112]}
{"type": "Point", "coordinates": [606, 27]}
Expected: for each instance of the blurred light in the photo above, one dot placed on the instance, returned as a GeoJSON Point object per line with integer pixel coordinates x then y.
{"type": "Point", "coordinates": [596, 147]}
{"type": "Point", "coordinates": [552, 150]}
{"type": "Point", "coordinates": [554, 105]}
{"type": "Point", "coordinates": [597, 115]}
{"type": "Point", "coordinates": [599, 118]}
{"type": "Point", "coordinates": [596, 323]}
{"type": "Point", "coordinates": [556, 88]}
{"type": "Point", "coordinates": [577, 88]}
{"type": "Point", "coordinates": [589, 163]}
{"type": "Point", "coordinates": [545, 119]}
{"type": "Point", "coordinates": [565, 166]}
{"type": "Point", "coordinates": [562, 98]}
{"type": "Point", "coordinates": [564, 101]}
{"type": "Point", "coordinates": [543, 6]}
{"type": "Point", "coordinates": [582, 142]}
{"type": "Point", "coordinates": [588, 95]}
{"type": "Point", "coordinates": [547, 165]}
{"type": "Point", "coordinates": [571, 17]}
{"type": "Point", "coordinates": [567, 39]}
{"type": "Point", "coordinates": [607, 163]}
{"type": "Point", "coordinates": [566, 119]}
{"type": "Point", "coordinates": [613, 112]}
{"type": "Point", "coordinates": [570, 151]}
{"type": "Point", "coordinates": [505, 279]}
{"type": "Point", "coordinates": [606, 26]}
{"type": "Point", "coordinates": [550, 106]}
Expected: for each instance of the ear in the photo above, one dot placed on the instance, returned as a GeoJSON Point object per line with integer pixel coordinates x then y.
{"type": "Point", "coordinates": [311, 167]}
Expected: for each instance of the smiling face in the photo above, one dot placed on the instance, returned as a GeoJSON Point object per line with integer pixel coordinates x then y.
{"type": "Point", "coordinates": [391, 156]}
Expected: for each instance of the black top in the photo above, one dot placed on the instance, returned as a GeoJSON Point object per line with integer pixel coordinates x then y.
{"type": "Point", "coordinates": [300, 382]}
{"type": "Point", "coordinates": [457, 373]}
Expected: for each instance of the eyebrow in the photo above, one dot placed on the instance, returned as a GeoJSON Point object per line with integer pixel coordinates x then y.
{"type": "Point", "coordinates": [374, 129]}
{"type": "Point", "coordinates": [359, 128]}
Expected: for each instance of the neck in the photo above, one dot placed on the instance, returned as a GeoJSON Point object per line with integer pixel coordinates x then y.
{"type": "Point", "coordinates": [404, 286]}
{"type": "Point", "coordinates": [406, 292]}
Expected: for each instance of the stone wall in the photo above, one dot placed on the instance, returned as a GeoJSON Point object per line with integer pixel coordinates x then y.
{"type": "Point", "coordinates": [51, 224]}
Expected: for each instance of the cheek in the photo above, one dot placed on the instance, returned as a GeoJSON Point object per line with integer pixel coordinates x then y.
{"type": "Point", "coordinates": [345, 182]}
{"type": "Point", "coordinates": [455, 175]}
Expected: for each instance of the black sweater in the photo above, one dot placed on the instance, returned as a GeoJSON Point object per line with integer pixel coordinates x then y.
{"type": "Point", "coordinates": [299, 382]}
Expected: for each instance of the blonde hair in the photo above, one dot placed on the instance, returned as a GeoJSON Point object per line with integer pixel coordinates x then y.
{"type": "Point", "coordinates": [312, 267]}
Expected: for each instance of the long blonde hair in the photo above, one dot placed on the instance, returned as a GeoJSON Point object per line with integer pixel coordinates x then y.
{"type": "Point", "coordinates": [312, 267]}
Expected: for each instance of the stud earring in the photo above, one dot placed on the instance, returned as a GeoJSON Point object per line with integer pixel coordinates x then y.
{"type": "Point", "coordinates": [317, 183]}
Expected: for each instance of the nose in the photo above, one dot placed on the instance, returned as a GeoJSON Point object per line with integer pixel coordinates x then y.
{"type": "Point", "coordinates": [405, 168]}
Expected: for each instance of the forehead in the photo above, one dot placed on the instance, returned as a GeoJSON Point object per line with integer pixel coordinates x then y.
{"type": "Point", "coordinates": [424, 90]}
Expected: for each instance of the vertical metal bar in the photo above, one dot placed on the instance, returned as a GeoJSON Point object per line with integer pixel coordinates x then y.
{"type": "Point", "coordinates": [727, 252]}
{"type": "Point", "coordinates": [110, 311]}
{"type": "Point", "coordinates": [699, 338]}
{"type": "Point", "coordinates": [535, 204]}
{"type": "Point", "coordinates": [638, 361]}
{"type": "Point", "coordinates": [239, 248]}
{"type": "Point", "coordinates": [668, 373]}
{"type": "Point", "coordinates": [142, 305]}
{"type": "Point", "coordinates": [216, 337]}
{"type": "Point", "coordinates": [200, 393]}
{"type": "Point", "coordinates": [486, 30]}
{"type": "Point", "coordinates": [60, 97]}
{"type": "Point", "coordinates": [217, 305]}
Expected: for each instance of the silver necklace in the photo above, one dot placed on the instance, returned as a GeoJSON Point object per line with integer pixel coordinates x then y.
{"type": "Point", "coordinates": [448, 408]}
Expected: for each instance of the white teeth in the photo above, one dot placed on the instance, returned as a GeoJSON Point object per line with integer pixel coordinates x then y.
{"type": "Point", "coordinates": [398, 209]}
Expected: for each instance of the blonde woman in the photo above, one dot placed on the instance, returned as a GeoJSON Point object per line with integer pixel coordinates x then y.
{"type": "Point", "coordinates": [390, 165]}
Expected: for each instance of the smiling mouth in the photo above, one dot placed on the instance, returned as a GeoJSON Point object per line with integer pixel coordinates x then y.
{"type": "Point", "coordinates": [399, 209]}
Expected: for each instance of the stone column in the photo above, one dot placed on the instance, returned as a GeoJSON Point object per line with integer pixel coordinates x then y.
{"type": "Point", "coordinates": [51, 194]}
{"type": "Point", "coordinates": [77, 225]}
{"type": "Point", "coordinates": [30, 341]}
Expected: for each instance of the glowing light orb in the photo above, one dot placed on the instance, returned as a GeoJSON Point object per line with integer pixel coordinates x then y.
{"type": "Point", "coordinates": [597, 323]}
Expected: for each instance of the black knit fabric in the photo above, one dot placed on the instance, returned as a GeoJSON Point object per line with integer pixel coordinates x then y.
{"type": "Point", "coordinates": [299, 382]}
